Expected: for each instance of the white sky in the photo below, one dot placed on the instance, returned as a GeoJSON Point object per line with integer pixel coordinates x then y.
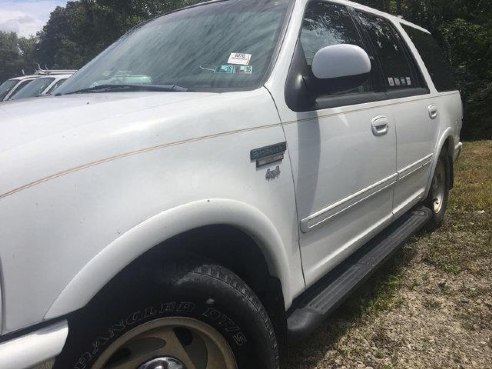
{"type": "Point", "coordinates": [26, 17]}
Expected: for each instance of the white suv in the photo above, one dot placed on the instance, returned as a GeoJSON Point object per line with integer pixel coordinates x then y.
{"type": "Point", "coordinates": [217, 182]}
{"type": "Point", "coordinates": [11, 86]}
{"type": "Point", "coordinates": [46, 82]}
{"type": "Point", "coordinates": [42, 86]}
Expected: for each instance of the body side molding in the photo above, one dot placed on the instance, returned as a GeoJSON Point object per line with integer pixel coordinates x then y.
{"type": "Point", "coordinates": [412, 168]}
{"type": "Point", "coordinates": [318, 219]}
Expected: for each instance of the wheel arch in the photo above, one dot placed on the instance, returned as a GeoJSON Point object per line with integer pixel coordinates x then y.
{"type": "Point", "coordinates": [445, 143]}
{"type": "Point", "coordinates": [164, 231]}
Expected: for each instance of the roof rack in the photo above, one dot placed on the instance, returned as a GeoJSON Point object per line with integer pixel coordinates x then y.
{"type": "Point", "coordinates": [47, 72]}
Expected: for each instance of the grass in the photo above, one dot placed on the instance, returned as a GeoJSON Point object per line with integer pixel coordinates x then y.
{"type": "Point", "coordinates": [466, 237]}
{"type": "Point", "coordinates": [430, 306]}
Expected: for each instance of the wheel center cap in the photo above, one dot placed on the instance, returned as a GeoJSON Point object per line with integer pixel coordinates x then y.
{"type": "Point", "coordinates": [163, 363]}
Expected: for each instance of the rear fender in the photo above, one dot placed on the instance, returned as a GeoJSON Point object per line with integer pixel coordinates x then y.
{"type": "Point", "coordinates": [447, 134]}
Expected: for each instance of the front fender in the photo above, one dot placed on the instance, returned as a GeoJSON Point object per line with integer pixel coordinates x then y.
{"type": "Point", "coordinates": [135, 242]}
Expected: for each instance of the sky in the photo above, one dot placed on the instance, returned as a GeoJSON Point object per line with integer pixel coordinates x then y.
{"type": "Point", "coordinates": [26, 17]}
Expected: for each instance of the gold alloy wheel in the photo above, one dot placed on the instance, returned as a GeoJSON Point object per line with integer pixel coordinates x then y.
{"type": "Point", "coordinates": [438, 189]}
{"type": "Point", "coordinates": [169, 343]}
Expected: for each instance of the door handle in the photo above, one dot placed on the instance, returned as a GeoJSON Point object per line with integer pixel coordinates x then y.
{"type": "Point", "coordinates": [433, 111]}
{"type": "Point", "coordinates": [380, 126]}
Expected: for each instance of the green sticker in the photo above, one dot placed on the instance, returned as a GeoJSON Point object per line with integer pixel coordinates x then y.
{"type": "Point", "coordinates": [245, 69]}
{"type": "Point", "coordinates": [226, 68]}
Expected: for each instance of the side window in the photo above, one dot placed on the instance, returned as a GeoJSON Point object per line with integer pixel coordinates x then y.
{"type": "Point", "coordinates": [397, 68]}
{"type": "Point", "coordinates": [19, 87]}
{"type": "Point", "coordinates": [327, 24]}
{"type": "Point", "coordinates": [55, 86]}
{"type": "Point", "coordinates": [434, 58]}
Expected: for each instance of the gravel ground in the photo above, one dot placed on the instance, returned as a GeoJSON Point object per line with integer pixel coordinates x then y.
{"type": "Point", "coordinates": [431, 305]}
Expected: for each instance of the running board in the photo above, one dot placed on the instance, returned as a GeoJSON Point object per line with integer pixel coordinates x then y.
{"type": "Point", "coordinates": [317, 303]}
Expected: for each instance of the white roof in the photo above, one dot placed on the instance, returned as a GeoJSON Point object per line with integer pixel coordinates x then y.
{"type": "Point", "coordinates": [45, 73]}
{"type": "Point", "coordinates": [375, 11]}
{"type": "Point", "coordinates": [51, 72]}
{"type": "Point", "coordinates": [22, 78]}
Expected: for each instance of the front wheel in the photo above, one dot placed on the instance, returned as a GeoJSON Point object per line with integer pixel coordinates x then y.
{"type": "Point", "coordinates": [438, 197]}
{"type": "Point", "coordinates": [188, 315]}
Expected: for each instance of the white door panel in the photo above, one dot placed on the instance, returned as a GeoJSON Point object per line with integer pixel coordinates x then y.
{"type": "Point", "coordinates": [344, 175]}
{"type": "Point", "coordinates": [416, 135]}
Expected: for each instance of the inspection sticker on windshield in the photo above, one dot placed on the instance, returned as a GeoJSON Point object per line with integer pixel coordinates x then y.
{"type": "Point", "coordinates": [226, 68]}
{"type": "Point", "coordinates": [245, 69]}
{"type": "Point", "coordinates": [239, 59]}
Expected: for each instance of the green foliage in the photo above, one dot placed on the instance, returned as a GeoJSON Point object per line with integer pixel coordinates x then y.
{"type": "Point", "coordinates": [464, 29]}
{"type": "Point", "coordinates": [471, 55]}
{"type": "Point", "coordinates": [16, 55]}
{"type": "Point", "coordinates": [79, 31]}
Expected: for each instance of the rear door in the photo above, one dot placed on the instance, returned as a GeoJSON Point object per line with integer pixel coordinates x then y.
{"type": "Point", "coordinates": [413, 111]}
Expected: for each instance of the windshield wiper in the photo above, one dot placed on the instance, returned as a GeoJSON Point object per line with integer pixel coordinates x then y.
{"type": "Point", "coordinates": [125, 88]}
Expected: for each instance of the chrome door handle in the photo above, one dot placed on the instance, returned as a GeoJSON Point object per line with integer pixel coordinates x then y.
{"type": "Point", "coordinates": [433, 111]}
{"type": "Point", "coordinates": [380, 126]}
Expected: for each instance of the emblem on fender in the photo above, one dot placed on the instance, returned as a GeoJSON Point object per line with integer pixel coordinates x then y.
{"type": "Point", "coordinates": [273, 173]}
{"type": "Point", "coordinates": [268, 154]}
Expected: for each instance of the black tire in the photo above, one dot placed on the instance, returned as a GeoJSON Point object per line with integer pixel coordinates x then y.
{"type": "Point", "coordinates": [193, 289]}
{"type": "Point", "coordinates": [438, 212]}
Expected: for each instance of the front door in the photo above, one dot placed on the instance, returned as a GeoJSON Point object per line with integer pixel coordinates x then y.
{"type": "Point", "coordinates": [343, 153]}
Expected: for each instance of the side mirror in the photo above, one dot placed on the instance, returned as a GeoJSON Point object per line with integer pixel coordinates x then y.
{"type": "Point", "coordinates": [348, 66]}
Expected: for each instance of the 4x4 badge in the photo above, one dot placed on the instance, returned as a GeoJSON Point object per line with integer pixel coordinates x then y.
{"type": "Point", "coordinates": [273, 173]}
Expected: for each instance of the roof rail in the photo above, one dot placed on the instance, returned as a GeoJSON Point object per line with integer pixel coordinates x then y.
{"type": "Point", "coordinates": [47, 72]}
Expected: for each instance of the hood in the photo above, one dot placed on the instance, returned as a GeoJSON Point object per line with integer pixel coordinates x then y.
{"type": "Point", "coordinates": [29, 120]}
{"type": "Point", "coordinates": [49, 137]}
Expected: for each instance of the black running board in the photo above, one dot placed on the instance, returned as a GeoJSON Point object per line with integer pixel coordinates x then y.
{"type": "Point", "coordinates": [316, 304]}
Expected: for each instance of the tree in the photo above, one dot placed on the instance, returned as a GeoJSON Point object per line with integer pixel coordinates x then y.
{"type": "Point", "coordinates": [79, 31]}
{"type": "Point", "coordinates": [16, 55]}
{"type": "Point", "coordinates": [67, 40]}
{"type": "Point", "coordinates": [464, 30]}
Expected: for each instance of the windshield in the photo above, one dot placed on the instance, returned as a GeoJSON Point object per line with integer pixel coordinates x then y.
{"type": "Point", "coordinates": [33, 89]}
{"type": "Point", "coordinates": [224, 45]}
{"type": "Point", "coordinates": [6, 87]}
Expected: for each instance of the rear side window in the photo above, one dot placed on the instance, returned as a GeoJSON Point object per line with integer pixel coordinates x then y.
{"type": "Point", "coordinates": [434, 58]}
{"type": "Point", "coordinates": [397, 68]}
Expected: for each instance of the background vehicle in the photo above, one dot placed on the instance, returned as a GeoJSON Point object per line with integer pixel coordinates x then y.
{"type": "Point", "coordinates": [217, 182]}
{"type": "Point", "coordinates": [14, 85]}
{"type": "Point", "coordinates": [44, 85]}
{"type": "Point", "coordinates": [11, 86]}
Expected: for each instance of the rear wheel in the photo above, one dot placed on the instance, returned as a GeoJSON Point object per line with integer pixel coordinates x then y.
{"type": "Point", "coordinates": [438, 197]}
{"type": "Point", "coordinates": [187, 315]}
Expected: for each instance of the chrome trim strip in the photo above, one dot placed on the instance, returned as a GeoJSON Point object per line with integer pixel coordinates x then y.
{"type": "Point", "coordinates": [321, 217]}
{"type": "Point", "coordinates": [411, 169]}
